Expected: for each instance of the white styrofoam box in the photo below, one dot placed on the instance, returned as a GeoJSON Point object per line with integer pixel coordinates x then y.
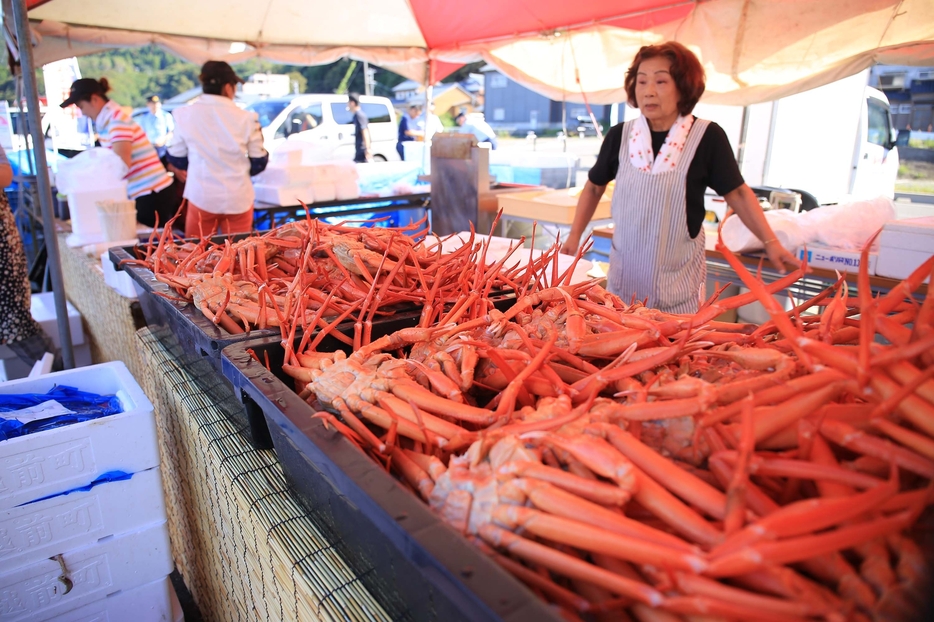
{"type": "Point", "coordinates": [286, 175]}
{"type": "Point", "coordinates": [51, 587]}
{"type": "Point", "coordinates": [276, 195]}
{"type": "Point", "coordinates": [119, 280]}
{"type": "Point", "coordinates": [346, 189]}
{"type": "Point", "coordinates": [904, 245]}
{"type": "Point", "coordinates": [35, 531]}
{"type": "Point", "coordinates": [899, 263]}
{"type": "Point", "coordinates": [42, 307]}
{"type": "Point", "coordinates": [82, 205]}
{"type": "Point", "coordinates": [345, 169]}
{"type": "Point", "coordinates": [836, 259]}
{"type": "Point", "coordinates": [152, 602]}
{"type": "Point", "coordinates": [323, 173]}
{"type": "Point", "coordinates": [286, 155]}
{"type": "Point", "coordinates": [325, 191]}
{"type": "Point", "coordinates": [913, 234]}
{"type": "Point", "coordinates": [54, 461]}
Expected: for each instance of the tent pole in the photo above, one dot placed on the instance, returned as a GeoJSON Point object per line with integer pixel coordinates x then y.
{"type": "Point", "coordinates": [24, 41]}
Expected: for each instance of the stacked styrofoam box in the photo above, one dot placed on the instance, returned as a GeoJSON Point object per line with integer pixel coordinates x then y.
{"type": "Point", "coordinates": [70, 550]}
{"type": "Point", "coordinates": [289, 179]}
{"type": "Point", "coordinates": [43, 311]}
{"type": "Point", "coordinates": [904, 245]}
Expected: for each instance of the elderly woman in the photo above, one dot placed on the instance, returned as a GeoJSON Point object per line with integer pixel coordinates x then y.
{"type": "Point", "coordinates": [662, 162]}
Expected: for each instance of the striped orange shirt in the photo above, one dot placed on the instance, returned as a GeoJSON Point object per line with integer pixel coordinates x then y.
{"type": "Point", "coordinates": [146, 174]}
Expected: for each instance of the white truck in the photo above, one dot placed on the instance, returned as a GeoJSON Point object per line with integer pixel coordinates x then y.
{"type": "Point", "coordinates": [835, 142]}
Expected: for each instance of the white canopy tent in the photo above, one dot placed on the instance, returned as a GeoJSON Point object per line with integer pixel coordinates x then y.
{"type": "Point", "coordinates": [753, 50]}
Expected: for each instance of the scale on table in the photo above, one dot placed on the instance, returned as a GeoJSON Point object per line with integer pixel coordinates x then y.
{"type": "Point", "coordinates": [779, 199]}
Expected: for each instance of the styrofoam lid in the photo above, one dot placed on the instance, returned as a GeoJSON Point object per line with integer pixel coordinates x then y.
{"type": "Point", "coordinates": [923, 226]}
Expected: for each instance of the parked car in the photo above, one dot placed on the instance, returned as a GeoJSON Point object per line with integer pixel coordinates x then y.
{"type": "Point", "coordinates": [585, 127]}
{"type": "Point", "coordinates": [325, 119]}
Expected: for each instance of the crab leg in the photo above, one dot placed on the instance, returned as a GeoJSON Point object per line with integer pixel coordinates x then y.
{"type": "Point", "coordinates": [594, 539]}
{"type": "Point", "coordinates": [687, 486]}
{"type": "Point", "coordinates": [792, 550]}
{"type": "Point", "coordinates": [569, 566]}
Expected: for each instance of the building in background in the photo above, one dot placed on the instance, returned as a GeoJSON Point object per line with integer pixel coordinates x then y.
{"type": "Point", "coordinates": [509, 106]}
{"type": "Point", "coordinates": [910, 91]}
{"type": "Point", "coordinates": [450, 97]}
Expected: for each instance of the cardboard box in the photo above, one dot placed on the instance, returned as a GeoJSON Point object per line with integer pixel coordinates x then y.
{"type": "Point", "coordinates": [836, 259]}
{"type": "Point", "coordinates": [552, 206]}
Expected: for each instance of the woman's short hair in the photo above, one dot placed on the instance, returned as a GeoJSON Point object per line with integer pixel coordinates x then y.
{"type": "Point", "coordinates": [686, 71]}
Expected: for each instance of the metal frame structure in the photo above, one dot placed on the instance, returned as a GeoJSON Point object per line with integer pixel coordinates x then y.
{"type": "Point", "coordinates": [27, 66]}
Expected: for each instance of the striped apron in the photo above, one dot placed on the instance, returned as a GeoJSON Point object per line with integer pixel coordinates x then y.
{"type": "Point", "coordinates": [653, 254]}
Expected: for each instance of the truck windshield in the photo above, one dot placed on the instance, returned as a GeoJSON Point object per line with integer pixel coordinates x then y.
{"type": "Point", "coordinates": [879, 132]}
{"type": "Point", "coordinates": [267, 111]}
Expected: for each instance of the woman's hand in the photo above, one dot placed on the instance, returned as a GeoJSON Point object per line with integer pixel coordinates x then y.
{"type": "Point", "coordinates": [571, 244]}
{"type": "Point", "coordinates": [779, 256]}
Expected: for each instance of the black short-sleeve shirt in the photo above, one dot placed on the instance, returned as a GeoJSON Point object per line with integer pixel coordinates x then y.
{"type": "Point", "coordinates": [714, 166]}
{"type": "Point", "coordinates": [360, 123]}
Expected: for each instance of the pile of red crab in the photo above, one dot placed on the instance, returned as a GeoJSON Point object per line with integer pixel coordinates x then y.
{"type": "Point", "coordinates": [626, 462]}
{"type": "Point", "coordinates": [309, 275]}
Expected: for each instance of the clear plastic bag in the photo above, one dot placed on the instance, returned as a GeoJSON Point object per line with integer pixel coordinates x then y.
{"type": "Point", "coordinates": [847, 226]}
{"type": "Point", "coordinates": [89, 170]}
{"type": "Point", "coordinates": [784, 223]}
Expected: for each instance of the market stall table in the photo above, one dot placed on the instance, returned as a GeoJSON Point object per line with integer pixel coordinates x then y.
{"type": "Point", "coordinates": [817, 279]}
{"type": "Point", "coordinates": [244, 546]}
{"type": "Point", "coordinates": [268, 215]}
{"type": "Point", "coordinates": [110, 320]}
{"type": "Point", "coordinates": [545, 207]}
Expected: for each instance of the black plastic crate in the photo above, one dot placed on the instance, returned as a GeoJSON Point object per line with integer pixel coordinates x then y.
{"type": "Point", "coordinates": [416, 566]}
{"type": "Point", "coordinates": [195, 333]}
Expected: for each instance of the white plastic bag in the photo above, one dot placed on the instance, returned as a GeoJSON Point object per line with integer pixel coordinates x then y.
{"type": "Point", "coordinates": [784, 223]}
{"type": "Point", "coordinates": [847, 226]}
{"type": "Point", "coordinates": [90, 170]}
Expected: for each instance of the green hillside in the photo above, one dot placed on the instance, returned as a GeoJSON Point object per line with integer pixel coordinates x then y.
{"type": "Point", "coordinates": [135, 74]}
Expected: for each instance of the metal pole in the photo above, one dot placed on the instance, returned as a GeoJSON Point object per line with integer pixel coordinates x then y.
{"type": "Point", "coordinates": [24, 41]}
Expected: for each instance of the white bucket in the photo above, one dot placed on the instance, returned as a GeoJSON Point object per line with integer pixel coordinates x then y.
{"type": "Point", "coordinates": [118, 220]}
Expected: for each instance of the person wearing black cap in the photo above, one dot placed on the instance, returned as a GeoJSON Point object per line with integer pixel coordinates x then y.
{"type": "Point", "coordinates": [218, 147]}
{"type": "Point", "coordinates": [148, 183]}
{"type": "Point", "coordinates": [158, 124]}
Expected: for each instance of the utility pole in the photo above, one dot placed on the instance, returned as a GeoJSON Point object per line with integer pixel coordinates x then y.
{"type": "Point", "coordinates": [368, 78]}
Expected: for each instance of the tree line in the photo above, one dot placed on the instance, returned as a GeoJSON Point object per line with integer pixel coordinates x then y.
{"type": "Point", "coordinates": [136, 74]}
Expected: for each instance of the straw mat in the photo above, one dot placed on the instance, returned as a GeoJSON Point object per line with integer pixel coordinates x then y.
{"type": "Point", "coordinates": [245, 547]}
{"type": "Point", "coordinates": [110, 321]}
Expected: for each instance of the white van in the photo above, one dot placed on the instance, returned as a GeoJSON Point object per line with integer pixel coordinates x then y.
{"type": "Point", "coordinates": [325, 120]}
